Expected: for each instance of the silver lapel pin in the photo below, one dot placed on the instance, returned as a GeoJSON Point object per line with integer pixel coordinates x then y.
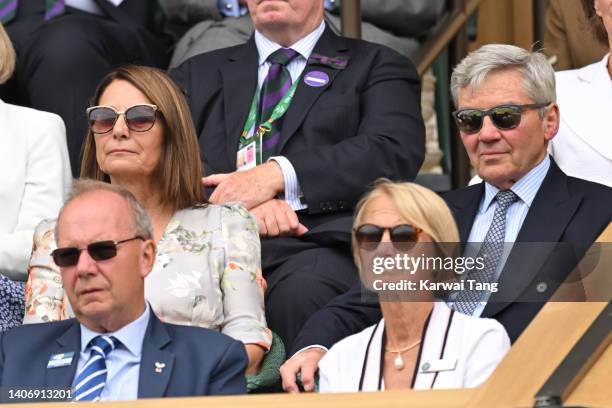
{"type": "Point", "coordinates": [159, 366]}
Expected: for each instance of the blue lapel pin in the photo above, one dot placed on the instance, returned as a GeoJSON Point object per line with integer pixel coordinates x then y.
{"type": "Point", "coordinates": [60, 360]}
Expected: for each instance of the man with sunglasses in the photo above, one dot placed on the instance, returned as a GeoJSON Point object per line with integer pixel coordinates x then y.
{"type": "Point", "coordinates": [116, 348]}
{"type": "Point", "coordinates": [506, 115]}
{"type": "Point", "coordinates": [295, 123]}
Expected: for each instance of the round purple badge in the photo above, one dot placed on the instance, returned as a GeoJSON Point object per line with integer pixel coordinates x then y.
{"type": "Point", "coordinates": [316, 78]}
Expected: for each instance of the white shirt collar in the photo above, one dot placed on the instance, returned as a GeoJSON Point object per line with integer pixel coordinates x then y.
{"type": "Point", "coordinates": [304, 46]}
{"type": "Point", "coordinates": [131, 335]}
{"type": "Point", "coordinates": [525, 188]}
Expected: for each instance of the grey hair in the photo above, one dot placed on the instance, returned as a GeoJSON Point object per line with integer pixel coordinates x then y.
{"type": "Point", "coordinates": [538, 74]}
{"type": "Point", "coordinates": [80, 187]}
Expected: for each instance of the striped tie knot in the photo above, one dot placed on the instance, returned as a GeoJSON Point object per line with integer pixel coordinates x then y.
{"type": "Point", "coordinates": [282, 56]}
{"type": "Point", "coordinates": [102, 345]}
{"type": "Point", "coordinates": [505, 198]}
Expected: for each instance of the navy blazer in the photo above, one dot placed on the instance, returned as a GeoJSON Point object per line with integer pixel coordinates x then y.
{"type": "Point", "coordinates": [365, 123]}
{"type": "Point", "coordinates": [565, 210]}
{"type": "Point", "coordinates": [197, 361]}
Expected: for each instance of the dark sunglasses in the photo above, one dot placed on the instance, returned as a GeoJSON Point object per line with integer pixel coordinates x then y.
{"type": "Point", "coordinates": [138, 118]}
{"type": "Point", "coordinates": [371, 235]}
{"type": "Point", "coordinates": [504, 117]}
{"type": "Point", "coordinates": [99, 251]}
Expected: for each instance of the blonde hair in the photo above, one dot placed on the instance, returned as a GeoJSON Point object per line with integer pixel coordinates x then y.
{"type": "Point", "coordinates": [420, 206]}
{"type": "Point", "coordinates": [180, 167]}
{"type": "Point", "coordinates": [7, 56]}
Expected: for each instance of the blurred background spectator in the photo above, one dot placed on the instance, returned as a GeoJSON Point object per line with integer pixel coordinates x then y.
{"type": "Point", "coordinates": [65, 47]}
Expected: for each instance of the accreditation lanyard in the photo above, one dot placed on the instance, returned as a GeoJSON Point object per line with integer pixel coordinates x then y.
{"type": "Point", "coordinates": [250, 142]}
{"type": "Point", "coordinates": [418, 360]}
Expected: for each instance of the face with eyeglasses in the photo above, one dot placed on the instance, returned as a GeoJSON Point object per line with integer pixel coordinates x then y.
{"type": "Point", "coordinates": [511, 139]}
{"type": "Point", "coordinates": [128, 132]}
{"type": "Point", "coordinates": [382, 232]}
{"type": "Point", "coordinates": [104, 282]}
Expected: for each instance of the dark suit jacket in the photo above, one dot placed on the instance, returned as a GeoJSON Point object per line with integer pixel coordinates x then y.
{"type": "Point", "coordinates": [566, 216]}
{"type": "Point", "coordinates": [198, 361]}
{"type": "Point", "coordinates": [364, 124]}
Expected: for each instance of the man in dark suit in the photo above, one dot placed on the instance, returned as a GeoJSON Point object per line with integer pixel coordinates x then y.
{"type": "Point", "coordinates": [506, 115]}
{"type": "Point", "coordinates": [354, 117]}
{"type": "Point", "coordinates": [116, 348]}
{"type": "Point", "coordinates": [65, 47]}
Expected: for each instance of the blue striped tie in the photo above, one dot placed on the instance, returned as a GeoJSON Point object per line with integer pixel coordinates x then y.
{"type": "Point", "coordinates": [91, 379]}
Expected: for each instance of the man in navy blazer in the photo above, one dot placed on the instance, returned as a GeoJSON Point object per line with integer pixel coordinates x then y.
{"type": "Point", "coordinates": [355, 117]}
{"type": "Point", "coordinates": [105, 250]}
{"type": "Point", "coordinates": [506, 115]}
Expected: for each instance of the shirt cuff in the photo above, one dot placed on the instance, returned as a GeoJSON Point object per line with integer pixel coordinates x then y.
{"type": "Point", "coordinates": [293, 191]}
{"type": "Point", "coordinates": [311, 347]}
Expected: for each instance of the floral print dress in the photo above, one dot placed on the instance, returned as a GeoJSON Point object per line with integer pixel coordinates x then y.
{"type": "Point", "coordinates": [207, 273]}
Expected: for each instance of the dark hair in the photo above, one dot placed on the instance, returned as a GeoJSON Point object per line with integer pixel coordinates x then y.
{"type": "Point", "coordinates": [180, 167]}
{"type": "Point", "coordinates": [594, 22]}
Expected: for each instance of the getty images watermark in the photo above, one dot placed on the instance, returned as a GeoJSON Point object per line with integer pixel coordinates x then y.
{"type": "Point", "coordinates": [413, 265]}
{"type": "Point", "coordinates": [511, 271]}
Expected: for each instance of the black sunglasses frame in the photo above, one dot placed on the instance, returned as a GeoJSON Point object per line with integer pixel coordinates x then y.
{"type": "Point", "coordinates": [491, 113]}
{"type": "Point", "coordinates": [125, 115]}
{"type": "Point", "coordinates": [380, 231]}
{"type": "Point", "coordinates": [93, 250]}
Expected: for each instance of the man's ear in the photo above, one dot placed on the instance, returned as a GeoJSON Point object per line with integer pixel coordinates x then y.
{"type": "Point", "coordinates": [147, 255]}
{"type": "Point", "coordinates": [550, 122]}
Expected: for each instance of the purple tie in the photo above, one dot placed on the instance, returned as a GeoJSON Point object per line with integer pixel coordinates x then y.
{"type": "Point", "coordinates": [54, 8]}
{"type": "Point", "coordinates": [8, 9]}
{"type": "Point", "coordinates": [274, 87]}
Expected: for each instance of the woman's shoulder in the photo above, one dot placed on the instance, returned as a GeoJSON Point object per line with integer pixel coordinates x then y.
{"type": "Point", "coordinates": [29, 118]}
{"type": "Point", "coordinates": [578, 77]}
{"type": "Point", "coordinates": [213, 216]}
{"type": "Point", "coordinates": [46, 226]}
{"type": "Point", "coordinates": [354, 341]}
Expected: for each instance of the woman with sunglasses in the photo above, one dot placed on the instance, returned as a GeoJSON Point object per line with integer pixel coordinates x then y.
{"type": "Point", "coordinates": [207, 268]}
{"type": "Point", "coordinates": [420, 343]}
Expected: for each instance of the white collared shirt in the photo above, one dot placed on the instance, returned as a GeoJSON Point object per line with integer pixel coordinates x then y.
{"type": "Point", "coordinates": [123, 363]}
{"type": "Point", "coordinates": [304, 47]}
{"type": "Point", "coordinates": [526, 189]}
{"type": "Point", "coordinates": [90, 6]}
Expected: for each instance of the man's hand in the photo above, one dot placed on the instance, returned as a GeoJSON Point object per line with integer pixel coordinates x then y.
{"type": "Point", "coordinates": [251, 187]}
{"type": "Point", "coordinates": [307, 363]}
{"type": "Point", "coordinates": [277, 218]}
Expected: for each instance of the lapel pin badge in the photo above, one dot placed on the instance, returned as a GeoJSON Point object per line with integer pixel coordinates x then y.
{"type": "Point", "coordinates": [60, 360]}
{"type": "Point", "coordinates": [159, 366]}
{"type": "Point", "coordinates": [316, 78]}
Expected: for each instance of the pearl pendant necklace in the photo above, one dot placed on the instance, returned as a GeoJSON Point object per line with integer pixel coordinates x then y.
{"type": "Point", "coordinates": [398, 362]}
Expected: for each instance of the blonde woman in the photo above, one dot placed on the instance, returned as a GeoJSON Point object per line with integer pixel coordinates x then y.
{"type": "Point", "coordinates": [420, 342]}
